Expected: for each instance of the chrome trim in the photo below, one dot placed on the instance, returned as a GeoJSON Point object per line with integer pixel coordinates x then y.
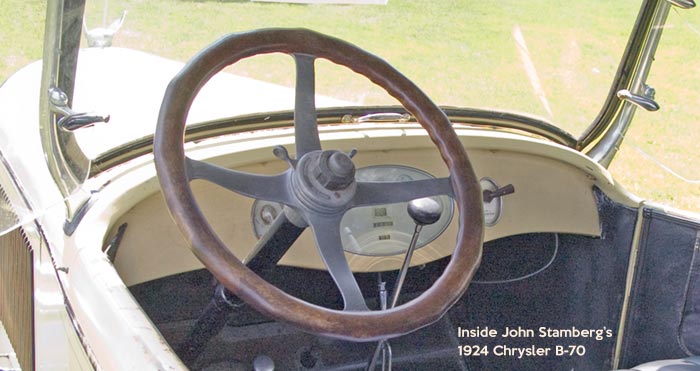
{"type": "Point", "coordinates": [605, 150]}
{"type": "Point", "coordinates": [645, 101]}
{"type": "Point", "coordinates": [16, 293]}
{"type": "Point", "coordinates": [70, 119]}
{"type": "Point", "coordinates": [67, 163]}
{"type": "Point", "coordinates": [273, 120]}
{"type": "Point", "coordinates": [378, 117]}
{"type": "Point", "coordinates": [101, 37]}
{"type": "Point", "coordinates": [630, 63]}
{"type": "Point", "coordinates": [683, 4]}
{"type": "Point", "coordinates": [631, 270]}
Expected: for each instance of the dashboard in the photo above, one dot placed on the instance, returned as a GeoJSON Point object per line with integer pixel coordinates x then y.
{"type": "Point", "coordinates": [531, 186]}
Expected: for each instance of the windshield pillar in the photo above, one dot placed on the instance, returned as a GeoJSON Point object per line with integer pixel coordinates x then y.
{"type": "Point", "coordinates": [616, 116]}
{"type": "Point", "coordinates": [67, 163]}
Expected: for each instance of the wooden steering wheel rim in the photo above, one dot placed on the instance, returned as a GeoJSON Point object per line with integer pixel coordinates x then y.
{"type": "Point", "coordinates": [232, 273]}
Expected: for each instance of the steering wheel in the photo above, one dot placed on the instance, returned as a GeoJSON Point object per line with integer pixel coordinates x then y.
{"type": "Point", "coordinates": [319, 187]}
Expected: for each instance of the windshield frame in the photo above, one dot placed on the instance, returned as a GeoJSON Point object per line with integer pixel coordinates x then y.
{"type": "Point", "coordinates": [67, 163]}
{"type": "Point", "coordinates": [629, 91]}
{"type": "Point", "coordinates": [70, 167]}
{"type": "Point", "coordinates": [326, 116]}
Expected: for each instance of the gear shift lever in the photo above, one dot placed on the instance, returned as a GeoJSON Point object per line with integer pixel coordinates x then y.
{"type": "Point", "coordinates": [423, 211]}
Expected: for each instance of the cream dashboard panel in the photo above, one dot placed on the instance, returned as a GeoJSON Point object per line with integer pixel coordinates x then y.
{"type": "Point", "coordinates": [550, 196]}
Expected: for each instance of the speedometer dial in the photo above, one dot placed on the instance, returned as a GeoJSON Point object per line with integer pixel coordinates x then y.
{"type": "Point", "coordinates": [387, 229]}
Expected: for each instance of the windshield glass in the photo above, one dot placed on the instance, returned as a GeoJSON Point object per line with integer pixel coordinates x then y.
{"type": "Point", "coordinates": [554, 60]}
{"type": "Point", "coordinates": [658, 159]}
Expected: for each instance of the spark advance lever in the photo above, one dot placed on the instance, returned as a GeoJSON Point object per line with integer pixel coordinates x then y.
{"type": "Point", "coordinates": [500, 192]}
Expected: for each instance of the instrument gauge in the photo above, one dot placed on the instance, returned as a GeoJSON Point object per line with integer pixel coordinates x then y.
{"type": "Point", "coordinates": [387, 229]}
{"type": "Point", "coordinates": [377, 230]}
{"type": "Point", "coordinates": [492, 209]}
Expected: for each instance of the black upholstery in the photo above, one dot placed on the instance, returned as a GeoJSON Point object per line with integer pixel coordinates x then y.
{"type": "Point", "coordinates": [684, 364]}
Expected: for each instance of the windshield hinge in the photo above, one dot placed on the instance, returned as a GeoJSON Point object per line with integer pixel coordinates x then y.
{"type": "Point", "coordinates": [70, 119]}
{"type": "Point", "coordinates": [683, 4]}
{"type": "Point", "coordinates": [643, 43]}
{"type": "Point", "coordinates": [645, 100]}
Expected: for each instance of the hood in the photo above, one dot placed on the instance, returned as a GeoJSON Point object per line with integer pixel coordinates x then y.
{"type": "Point", "coordinates": [128, 86]}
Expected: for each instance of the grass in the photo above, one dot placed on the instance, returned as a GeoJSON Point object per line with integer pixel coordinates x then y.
{"type": "Point", "coordinates": [467, 58]}
{"type": "Point", "coordinates": [21, 34]}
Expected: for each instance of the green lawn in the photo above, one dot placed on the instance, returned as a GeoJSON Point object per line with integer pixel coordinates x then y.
{"type": "Point", "coordinates": [468, 58]}
{"type": "Point", "coordinates": [21, 34]}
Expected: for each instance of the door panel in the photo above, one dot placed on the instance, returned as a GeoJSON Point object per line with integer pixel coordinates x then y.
{"type": "Point", "coordinates": [664, 313]}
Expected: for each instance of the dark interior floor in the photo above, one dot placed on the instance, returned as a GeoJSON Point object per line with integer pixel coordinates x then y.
{"type": "Point", "coordinates": [528, 281]}
{"type": "Point", "coordinates": [563, 294]}
{"type": "Point", "coordinates": [237, 347]}
{"type": "Point", "coordinates": [249, 335]}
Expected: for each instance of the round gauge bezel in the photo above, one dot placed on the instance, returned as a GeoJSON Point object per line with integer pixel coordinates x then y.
{"type": "Point", "coordinates": [434, 231]}
{"type": "Point", "coordinates": [499, 200]}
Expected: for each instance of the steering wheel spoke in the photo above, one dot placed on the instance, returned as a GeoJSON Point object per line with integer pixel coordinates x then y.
{"type": "Point", "coordinates": [263, 187]}
{"type": "Point", "coordinates": [327, 234]}
{"type": "Point", "coordinates": [377, 193]}
{"type": "Point", "coordinates": [305, 125]}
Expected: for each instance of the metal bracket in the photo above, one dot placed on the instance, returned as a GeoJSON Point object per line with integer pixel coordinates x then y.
{"type": "Point", "coordinates": [71, 120]}
{"type": "Point", "coordinates": [683, 4]}
{"type": "Point", "coordinates": [645, 101]}
{"type": "Point", "coordinates": [378, 117]}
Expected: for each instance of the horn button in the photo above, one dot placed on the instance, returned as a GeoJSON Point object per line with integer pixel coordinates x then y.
{"type": "Point", "coordinates": [324, 181]}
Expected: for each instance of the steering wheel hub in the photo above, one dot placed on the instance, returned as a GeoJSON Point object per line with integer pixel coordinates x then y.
{"type": "Point", "coordinates": [324, 181]}
{"type": "Point", "coordinates": [335, 170]}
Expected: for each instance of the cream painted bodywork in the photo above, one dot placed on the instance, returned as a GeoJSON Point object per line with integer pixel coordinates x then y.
{"type": "Point", "coordinates": [58, 344]}
{"type": "Point", "coordinates": [553, 194]}
{"type": "Point", "coordinates": [85, 315]}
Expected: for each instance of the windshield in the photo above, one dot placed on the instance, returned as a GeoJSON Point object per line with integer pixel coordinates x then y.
{"type": "Point", "coordinates": [543, 59]}
{"type": "Point", "coordinates": [552, 60]}
{"type": "Point", "coordinates": [659, 160]}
